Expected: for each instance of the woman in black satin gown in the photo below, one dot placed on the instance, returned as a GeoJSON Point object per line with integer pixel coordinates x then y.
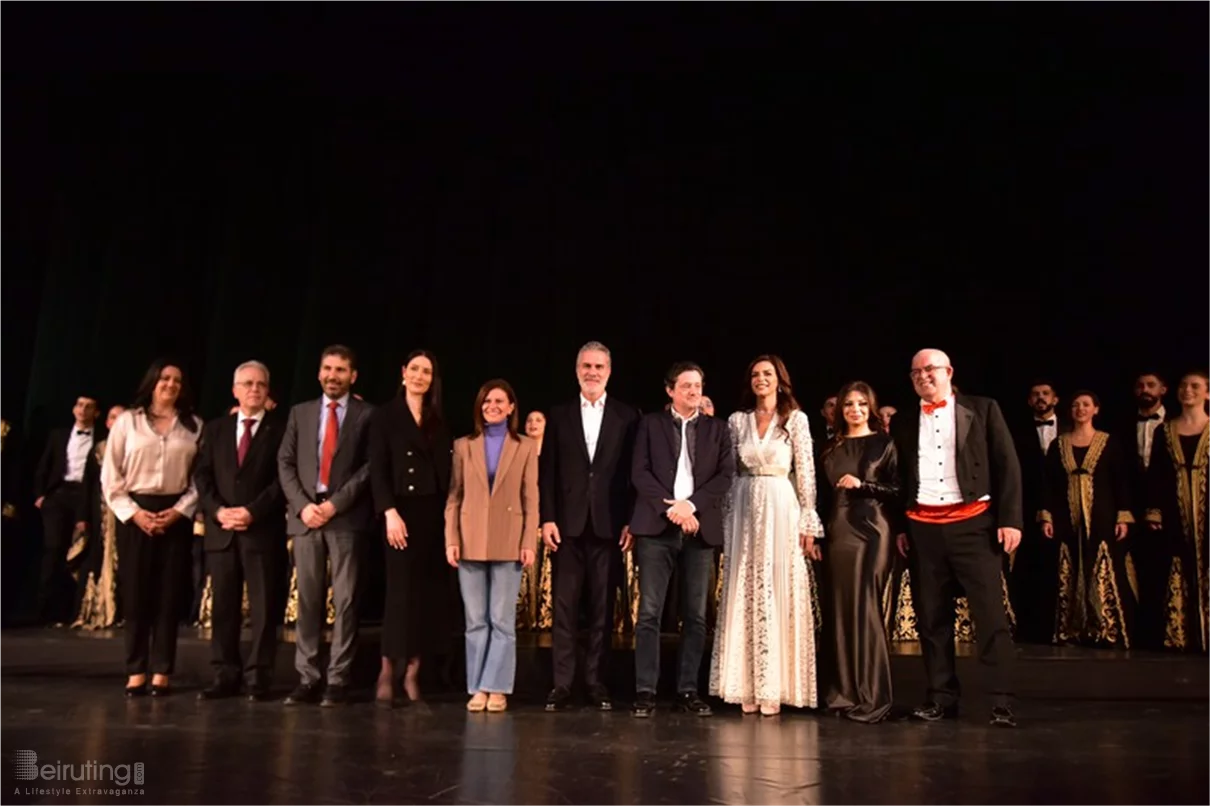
{"type": "Point", "coordinates": [860, 466]}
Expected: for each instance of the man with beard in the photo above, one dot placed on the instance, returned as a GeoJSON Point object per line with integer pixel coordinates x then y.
{"type": "Point", "coordinates": [1034, 571]}
{"type": "Point", "coordinates": [1140, 431]}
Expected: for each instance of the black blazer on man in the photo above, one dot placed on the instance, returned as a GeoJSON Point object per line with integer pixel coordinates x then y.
{"type": "Point", "coordinates": [52, 467]}
{"type": "Point", "coordinates": [986, 457]}
{"type": "Point", "coordinates": [657, 450]}
{"type": "Point", "coordinates": [222, 482]}
{"type": "Point", "coordinates": [582, 496]}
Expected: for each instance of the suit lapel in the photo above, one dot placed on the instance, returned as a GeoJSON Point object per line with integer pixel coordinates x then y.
{"type": "Point", "coordinates": [229, 449]}
{"type": "Point", "coordinates": [478, 460]}
{"type": "Point", "coordinates": [258, 439]}
{"type": "Point", "coordinates": [506, 459]}
{"type": "Point", "coordinates": [308, 459]}
{"type": "Point", "coordinates": [963, 417]}
{"type": "Point", "coordinates": [671, 427]}
{"type": "Point", "coordinates": [415, 437]}
{"type": "Point", "coordinates": [578, 426]}
{"type": "Point", "coordinates": [609, 427]}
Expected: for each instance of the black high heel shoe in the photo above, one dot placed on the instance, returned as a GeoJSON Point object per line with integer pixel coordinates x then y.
{"type": "Point", "coordinates": [136, 691]}
{"type": "Point", "coordinates": [160, 691]}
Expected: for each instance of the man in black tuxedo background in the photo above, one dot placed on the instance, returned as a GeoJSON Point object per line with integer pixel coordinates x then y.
{"type": "Point", "coordinates": [241, 499]}
{"type": "Point", "coordinates": [586, 500]}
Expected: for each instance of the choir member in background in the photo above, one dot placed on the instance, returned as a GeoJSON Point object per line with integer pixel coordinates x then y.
{"type": "Point", "coordinates": [1035, 568]}
{"type": "Point", "coordinates": [682, 471]}
{"type": "Point", "coordinates": [65, 486]}
{"type": "Point", "coordinates": [586, 503]}
{"type": "Point", "coordinates": [491, 533]}
{"type": "Point", "coordinates": [244, 526]}
{"type": "Point", "coordinates": [885, 413]}
{"type": "Point", "coordinates": [410, 474]}
{"type": "Point", "coordinates": [1139, 432]}
{"type": "Point", "coordinates": [827, 413]}
{"type": "Point", "coordinates": [861, 473]}
{"type": "Point", "coordinates": [764, 647]}
{"type": "Point", "coordinates": [1177, 513]}
{"type": "Point", "coordinates": [707, 406]}
{"type": "Point", "coordinates": [99, 602]}
{"type": "Point", "coordinates": [147, 480]}
{"type": "Point", "coordinates": [962, 489]}
{"type": "Point", "coordinates": [1086, 504]}
{"type": "Point", "coordinates": [329, 512]}
{"type": "Point", "coordinates": [536, 578]}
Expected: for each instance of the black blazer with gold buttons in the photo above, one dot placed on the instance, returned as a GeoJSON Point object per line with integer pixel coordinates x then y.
{"type": "Point", "coordinates": [406, 462]}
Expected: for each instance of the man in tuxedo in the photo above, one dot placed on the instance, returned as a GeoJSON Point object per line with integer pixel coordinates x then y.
{"type": "Point", "coordinates": [1148, 549]}
{"type": "Point", "coordinates": [586, 499]}
{"type": "Point", "coordinates": [683, 466]}
{"type": "Point", "coordinates": [1034, 571]}
{"type": "Point", "coordinates": [244, 514]}
{"type": "Point", "coordinates": [962, 489]}
{"type": "Point", "coordinates": [324, 468]}
{"type": "Point", "coordinates": [67, 484]}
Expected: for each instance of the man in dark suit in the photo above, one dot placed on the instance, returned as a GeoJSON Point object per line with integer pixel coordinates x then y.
{"type": "Point", "coordinates": [586, 499]}
{"type": "Point", "coordinates": [245, 524]}
{"type": "Point", "coordinates": [323, 464]}
{"type": "Point", "coordinates": [66, 485]}
{"type": "Point", "coordinates": [962, 487]}
{"type": "Point", "coordinates": [683, 466]}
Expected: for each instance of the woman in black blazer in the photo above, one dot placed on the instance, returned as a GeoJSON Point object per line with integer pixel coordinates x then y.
{"type": "Point", "coordinates": [410, 458]}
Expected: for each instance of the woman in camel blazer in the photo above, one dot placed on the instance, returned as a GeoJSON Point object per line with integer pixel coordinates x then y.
{"type": "Point", "coordinates": [491, 528]}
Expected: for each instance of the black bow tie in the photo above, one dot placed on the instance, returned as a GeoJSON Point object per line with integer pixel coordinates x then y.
{"type": "Point", "coordinates": [1145, 417]}
{"type": "Point", "coordinates": [82, 433]}
{"type": "Point", "coordinates": [1041, 423]}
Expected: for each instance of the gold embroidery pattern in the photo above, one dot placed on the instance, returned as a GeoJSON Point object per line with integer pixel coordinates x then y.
{"type": "Point", "coordinates": [1132, 578]}
{"type": "Point", "coordinates": [1093, 612]}
{"type": "Point", "coordinates": [900, 616]}
{"type": "Point", "coordinates": [1192, 494]}
{"type": "Point", "coordinates": [1063, 600]}
{"type": "Point", "coordinates": [1079, 485]}
{"type": "Point", "coordinates": [1175, 635]}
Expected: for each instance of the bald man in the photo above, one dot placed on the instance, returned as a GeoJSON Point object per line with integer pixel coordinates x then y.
{"type": "Point", "coordinates": [962, 489]}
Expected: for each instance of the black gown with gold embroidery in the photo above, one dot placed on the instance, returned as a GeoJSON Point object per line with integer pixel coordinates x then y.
{"type": "Point", "coordinates": [1177, 500]}
{"type": "Point", "coordinates": [1086, 494]}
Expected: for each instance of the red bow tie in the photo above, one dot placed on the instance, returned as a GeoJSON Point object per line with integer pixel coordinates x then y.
{"type": "Point", "coordinates": [929, 408]}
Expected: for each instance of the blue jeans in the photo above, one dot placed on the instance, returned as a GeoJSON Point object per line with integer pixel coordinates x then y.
{"type": "Point", "coordinates": [489, 597]}
{"type": "Point", "coordinates": [657, 558]}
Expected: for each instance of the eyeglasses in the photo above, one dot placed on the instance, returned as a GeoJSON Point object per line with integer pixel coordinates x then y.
{"type": "Point", "coordinates": [929, 370]}
{"type": "Point", "coordinates": [253, 384]}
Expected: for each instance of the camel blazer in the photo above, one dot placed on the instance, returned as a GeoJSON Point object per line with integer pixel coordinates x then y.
{"type": "Point", "coordinates": [493, 524]}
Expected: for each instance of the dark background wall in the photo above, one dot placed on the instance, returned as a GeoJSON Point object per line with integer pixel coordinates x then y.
{"type": "Point", "coordinates": [1022, 185]}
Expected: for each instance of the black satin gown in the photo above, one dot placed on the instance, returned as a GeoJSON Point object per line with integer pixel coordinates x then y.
{"type": "Point", "coordinates": [860, 543]}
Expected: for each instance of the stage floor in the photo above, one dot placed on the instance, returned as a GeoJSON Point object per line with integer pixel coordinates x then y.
{"type": "Point", "coordinates": [61, 699]}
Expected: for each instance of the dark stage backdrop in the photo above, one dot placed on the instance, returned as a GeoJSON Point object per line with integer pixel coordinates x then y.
{"type": "Point", "coordinates": [1022, 186]}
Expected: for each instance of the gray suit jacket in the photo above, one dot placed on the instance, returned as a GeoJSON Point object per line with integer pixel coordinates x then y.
{"type": "Point", "coordinates": [298, 467]}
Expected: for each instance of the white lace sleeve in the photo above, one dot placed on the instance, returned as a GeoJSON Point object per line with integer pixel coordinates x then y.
{"type": "Point", "coordinates": [804, 475]}
{"type": "Point", "coordinates": [733, 425]}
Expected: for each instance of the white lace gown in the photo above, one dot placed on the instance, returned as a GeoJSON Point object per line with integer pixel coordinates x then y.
{"type": "Point", "coordinates": [764, 645]}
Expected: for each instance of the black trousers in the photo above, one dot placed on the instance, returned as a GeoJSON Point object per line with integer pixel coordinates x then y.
{"type": "Point", "coordinates": [61, 510]}
{"type": "Point", "coordinates": [151, 571]}
{"type": "Point", "coordinates": [230, 568]}
{"type": "Point", "coordinates": [968, 553]}
{"type": "Point", "coordinates": [584, 560]}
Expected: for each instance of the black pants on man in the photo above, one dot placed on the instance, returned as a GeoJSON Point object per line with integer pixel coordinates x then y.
{"type": "Point", "coordinates": [966, 552]}
{"type": "Point", "coordinates": [62, 508]}
{"type": "Point", "coordinates": [229, 570]}
{"type": "Point", "coordinates": [584, 560]}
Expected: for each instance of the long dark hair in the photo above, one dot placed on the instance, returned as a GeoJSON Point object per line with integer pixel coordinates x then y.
{"type": "Point", "coordinates": [786, 403]}
{"type": "Point", "coordinates": [840, 431]}
{"type": "Point", "coordinates": [430, 405]}
{"type": "Point", "coordinates": [484, 390]}
{"type": "Point", "coordinates": [146, 393]}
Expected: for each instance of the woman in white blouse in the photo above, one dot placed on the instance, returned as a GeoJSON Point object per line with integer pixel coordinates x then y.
{"type": "Point", "coordinates": [147, 480]}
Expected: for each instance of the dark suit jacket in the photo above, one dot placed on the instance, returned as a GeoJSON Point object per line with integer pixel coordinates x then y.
{"type": "Point", "coordinates": [52, 466]}
{"type": "Point", "coordinates": [298, 467]}
{"type": "Point", "coordinates": [1033, 464]}
{"type": "Point", "coordinates": [986, 457]}
{"type": "Point", "coordinates": [578, 495]}
{"type": "Point", "coordinates": [403, 462]}
{"type": "Point", "coordinates": [1127, 434]}
{"type": "Point", "coordinates": [656, 452]}
{"type": "Point", "coordinates": [222, 482]}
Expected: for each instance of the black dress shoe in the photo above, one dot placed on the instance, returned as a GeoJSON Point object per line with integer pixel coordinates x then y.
{"type": "Point", "coordinates": [559, 699]}
{"type": "Point", "coordinates": [644, 705]}
{"type": "Point", "coordinates": [598, 697]}
{"type": "Point", "coordinates": [690, 703]}
{"type": "Point", "coordinates": [258, 693]}
{"type": "Point", "coordinates": [1002, 717]}
{"type": "Point", "coordinates": [305, 693]}
{"type": "Point", "coordinates": [932, 712]}
{"type": "Point", "coordinates": [219, 690]}
{"type": "Point", "coordinates": [160, 691]}
{"type": "Point", "coordinates": [136, 691]}
{"type": "Point", "coordinates": [334, 696]}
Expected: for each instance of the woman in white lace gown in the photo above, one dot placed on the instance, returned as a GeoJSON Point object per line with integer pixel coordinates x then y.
{"type": "Point", "coordinates": [764, 646]}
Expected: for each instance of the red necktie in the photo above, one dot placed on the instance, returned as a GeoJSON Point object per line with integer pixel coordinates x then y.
{"type": "Point", "coordinates": [245, 441]}
{"type": "Point", "coordinates": [929, 408]}
{"type": "Point", "coordinates": [330, 435]}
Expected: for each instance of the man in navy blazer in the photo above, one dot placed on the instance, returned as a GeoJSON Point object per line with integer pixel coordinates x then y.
{"type": "Point", "coordinates": [683, 466]}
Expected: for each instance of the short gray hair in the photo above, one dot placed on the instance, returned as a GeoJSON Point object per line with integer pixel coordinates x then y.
{"type": "Point", "coordinates": [250, 365]}
{"type": "Point", "coordinates": [597, 346]}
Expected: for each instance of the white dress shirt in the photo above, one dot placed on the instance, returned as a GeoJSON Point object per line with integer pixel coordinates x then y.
{"type": "Point", "coordinates": [239, 424]}
{"type": "Point", "coordinates": [682, 486]}
{"type": "Point", "coordinates": [938, 462]}
{"type": "Point", "coordinates": [591, 414]}
{"type": "Point", "coordinates": [1146, 435]}
{"type": "Point", "coordinates": [78, 446]}
{"type": "Point", "coordinates": [1046, 433]}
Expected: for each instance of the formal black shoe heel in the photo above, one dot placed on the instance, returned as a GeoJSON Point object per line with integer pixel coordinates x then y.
{"type": "Point", "coordinates": [136, 691]}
